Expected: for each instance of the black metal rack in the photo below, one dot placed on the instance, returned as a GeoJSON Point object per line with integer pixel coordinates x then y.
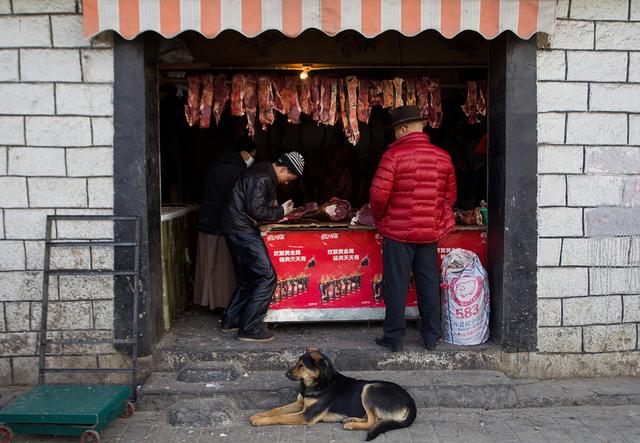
{"type": "Point", "coordinates": [132, 272]}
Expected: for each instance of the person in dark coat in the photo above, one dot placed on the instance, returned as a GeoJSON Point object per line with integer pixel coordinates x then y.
{"type": "Point", "coordinates": [412, 197]}
{"type": "Point", "coordinates": [253, 201]}
{"type": "Point", "coordinates": [215, 276]}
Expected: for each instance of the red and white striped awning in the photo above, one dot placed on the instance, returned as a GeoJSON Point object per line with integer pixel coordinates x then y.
{"type": "Point", "coordinates": [369, 17]}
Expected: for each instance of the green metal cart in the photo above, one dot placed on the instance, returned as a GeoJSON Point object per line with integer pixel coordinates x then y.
{"type": "Point", "coordinates": [80, 409]}
{"type": "Point", "coordinates": [66, 410]}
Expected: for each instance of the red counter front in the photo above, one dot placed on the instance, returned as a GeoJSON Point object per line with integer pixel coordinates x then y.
{"type": "Point", "coordinates": [335, 273]}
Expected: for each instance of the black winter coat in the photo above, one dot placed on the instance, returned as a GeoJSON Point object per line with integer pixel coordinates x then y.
{"type": "Point", "coordinates": [220, 180]}
{"type": "Point", "coordinates": [253, 200]}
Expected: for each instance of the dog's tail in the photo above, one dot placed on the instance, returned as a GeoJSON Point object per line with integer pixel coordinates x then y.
{"type": "Point", "coordinates": [388, 425]}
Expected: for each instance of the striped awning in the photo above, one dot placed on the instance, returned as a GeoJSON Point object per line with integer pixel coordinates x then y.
{"type": "Point", "coordinates": [369, 17]}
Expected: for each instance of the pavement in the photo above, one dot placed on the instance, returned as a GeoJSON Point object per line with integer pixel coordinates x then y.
{"type": "Point", "coordinates": [563, 424]}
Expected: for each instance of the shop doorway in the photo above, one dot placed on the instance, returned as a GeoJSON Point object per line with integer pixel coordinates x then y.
{"type": "Point", "coordinates": [185, 152]}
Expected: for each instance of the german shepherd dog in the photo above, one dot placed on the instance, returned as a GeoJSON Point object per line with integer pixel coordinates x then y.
{"type": "Point", "coordinates": [328, 396]}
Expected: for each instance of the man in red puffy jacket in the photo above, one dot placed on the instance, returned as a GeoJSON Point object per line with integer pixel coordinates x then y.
{"type": "Point", "coordinates": [412, 198]}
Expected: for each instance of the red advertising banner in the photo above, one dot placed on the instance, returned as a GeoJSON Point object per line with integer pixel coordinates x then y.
{"type": "Point", "coordinates": [341, 268]}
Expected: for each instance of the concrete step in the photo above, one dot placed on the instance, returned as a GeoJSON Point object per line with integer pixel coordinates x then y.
{"type": "Point", "coordinates": [196, 337]}
{"type": "Point", "coordinates": [430, 389]}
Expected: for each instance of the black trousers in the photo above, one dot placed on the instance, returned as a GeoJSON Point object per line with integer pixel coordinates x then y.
{"type": "Point", "coordinates": [256, 282]}
{"type": "Point", "coordinates": [399, 259]}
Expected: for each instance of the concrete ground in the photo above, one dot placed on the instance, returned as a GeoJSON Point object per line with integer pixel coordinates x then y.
{"type": "Point", "coordinates": [564, 424]}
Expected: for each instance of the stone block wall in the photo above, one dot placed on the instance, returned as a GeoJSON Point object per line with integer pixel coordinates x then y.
{"type": "Point", "coordinates": [588, 182]}
{"type": "Point", "coordinates": [56, 157]}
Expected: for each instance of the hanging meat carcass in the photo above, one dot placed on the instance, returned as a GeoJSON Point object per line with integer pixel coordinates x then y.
{"type": "Point", "coordinates": [352, 110]}
{"type": "Point", "coordinates": [305, 96]}
{"type": "Point", "coordinates": [422, 96]}
{"type": "Point", "coordinates": [221, 95]}
{"type": "Point", "coordinates": [250, 103]}
{"type": "Point", "coordinates": [411, 91]}
{"type": "Point", "coordinates": [291, 85]}
{"type": "Point", "coordinates": [388, 97]}
{"type": "Point", "coordinates": [333, 107]}
{"type": "Point", "coordinates": [192, 108]}
{"type": "Point", "coordinates": [265, 102]}
{"type": "Point", "coordinates": [328, 101]}
{"type": "Point", "coordinates": [482, 102]}
{"type": "Point", "coordinates": [281, 100]}
{"type": "Point", "coordinates": [364, 109]}
{"type": "Point", "coordinates": [343, 108]}
{"type": "Point", "coordinates": [316, 102]}
{"type": "Point", "coordinates": [238, 83]}
{"type": "Point", "coordinates": [206, 102]}
{"type": "Point", "coordinates": [397, 92]}
{"type": "Point", "coordinates": [435, 103]}
{"type": "Point", "coordinates": [375, 93]}
{"type": "Point", "coordinates": [470, 107]}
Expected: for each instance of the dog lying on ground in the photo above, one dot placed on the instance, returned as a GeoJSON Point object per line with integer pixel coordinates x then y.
{"type": "Point", "coordinates": [328, 396]}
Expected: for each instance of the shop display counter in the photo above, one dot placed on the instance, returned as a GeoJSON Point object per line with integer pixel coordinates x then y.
{"type": "Point", "coordinates": [333, 271]}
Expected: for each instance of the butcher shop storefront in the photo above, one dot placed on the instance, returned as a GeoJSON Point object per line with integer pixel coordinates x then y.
{"type": "Point", "coordinates": [320, 77]}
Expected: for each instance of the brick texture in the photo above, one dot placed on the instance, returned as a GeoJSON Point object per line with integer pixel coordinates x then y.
{"type": "Point", "coordinates": [56, 156]}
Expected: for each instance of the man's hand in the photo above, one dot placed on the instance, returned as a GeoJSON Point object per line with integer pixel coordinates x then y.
{"type": "Point", "coordinates": [287, 207]}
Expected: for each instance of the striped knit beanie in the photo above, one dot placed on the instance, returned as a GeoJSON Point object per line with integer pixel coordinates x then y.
{"type": "Point", "coordinates": [294, 161]}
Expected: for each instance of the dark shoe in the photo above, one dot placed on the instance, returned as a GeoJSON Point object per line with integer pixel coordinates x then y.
{"type": "Point", "coordinates": [432, 346]}
{"type": "Point", "coordinates": [263, 335]}
{"type": "Point", "coordinates": [387, 344]}
{"type": "Point", "coordinates": [229, 327]}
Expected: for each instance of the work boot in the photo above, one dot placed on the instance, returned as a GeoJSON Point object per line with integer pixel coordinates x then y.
{"type": "Point", "coordinates": [262, 335]}
{"type": "Point", "coordinates": [432, 345]}
{"type": "Point", "coordinates": [387, 344]}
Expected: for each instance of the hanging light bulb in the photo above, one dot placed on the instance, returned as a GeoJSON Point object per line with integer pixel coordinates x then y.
{"type": "Point", "coordinates": [305, 73]}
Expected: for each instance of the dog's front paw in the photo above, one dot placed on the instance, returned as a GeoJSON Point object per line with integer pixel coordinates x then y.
{"type": "Point", "coordinates": [256, 420]}
{"type": "Point", "coordinates": [349, 426]}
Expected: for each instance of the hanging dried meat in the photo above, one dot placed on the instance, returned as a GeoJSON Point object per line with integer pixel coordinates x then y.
{"type": "Point", "coordinates": [352, 110]}
{"type": "Point", "coordinates": [237, 94]}
{"type": "Point", "coordinates": [470, 107]}
{"type": "Point", "coordinates": [422, 96]}
{"type": "Point", "coordinates": [250, 104]}
{"type": "Point", "coordinates": [305, 96]}
{"type": "Point", "coordinates": [265, 102]}
{"type": "Point", "coordinates": [375, 93]}
{"type": "Point", "coordinates": [411, 91]}
{"type": "Point", "coordinates": [434, 117]}
{"type": "Point", "coordinates": [482, 102]}
{"type": "Point", "coordinates": [316, 102]}
{"type": "Point", "coordinates": [206, 102]}
{"type": "Point", "coordinates": [291, 85]}
{"type": "Point", "coordinates": [333, 107]}
{"type": "Point", "coordinates": [343, 107]}
{"type": "Point", "coordinates": [397, 92]}
{"type": "Point", "coordinates": [388, 97]}
{"type": "Point", "coordinates": [281, 100]}
{"type": "Point", "coordinates": [328, 101]}
{"type": "Point", "coordinates": [364, 109]}
{"type": "Point", "coordinates": [192, 108]}
{"type": "Point", "coordinates": [221, 96]}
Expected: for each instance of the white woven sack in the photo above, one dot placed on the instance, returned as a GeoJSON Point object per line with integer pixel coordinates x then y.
{"type": "Point", "coordinates": [465, 299]}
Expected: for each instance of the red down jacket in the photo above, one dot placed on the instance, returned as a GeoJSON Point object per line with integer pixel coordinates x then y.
{"type": "Point", "coordinates": [413, 191]}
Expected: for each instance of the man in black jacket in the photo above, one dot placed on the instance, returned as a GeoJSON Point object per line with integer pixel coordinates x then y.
{"type": "Point", "coordinates": [253, 200]}
{"type": "Point", "coordinates": [215, 276]}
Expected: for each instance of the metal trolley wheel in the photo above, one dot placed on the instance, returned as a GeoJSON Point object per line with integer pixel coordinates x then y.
{"type": "Point", "coordinates": [129, 409]}
{"type": "Point", "coordinates": [90, 436]}
{"type": "Point", "coordinates": [6, 434]}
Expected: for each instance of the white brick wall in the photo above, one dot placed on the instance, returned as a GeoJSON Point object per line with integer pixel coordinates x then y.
{"type": "Point", "coordinates": [56, 157]}
{"type": "Point", "coordinates": [589, 140]}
